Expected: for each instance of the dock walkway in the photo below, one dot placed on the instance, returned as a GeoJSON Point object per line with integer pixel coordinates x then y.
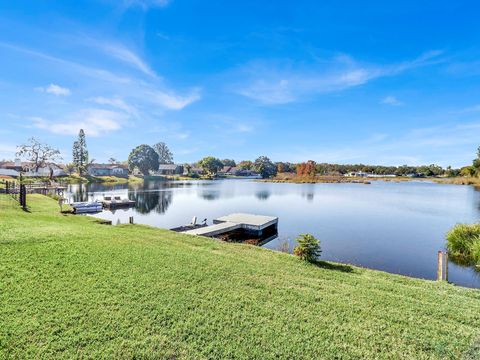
{"type": "Point", "coordinates": [248, 222]}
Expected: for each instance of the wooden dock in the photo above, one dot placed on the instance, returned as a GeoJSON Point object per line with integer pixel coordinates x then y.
{"type": "Point", "coordinates": [114, 202]}
{"type": "Point", "coordinates": [254, 224]}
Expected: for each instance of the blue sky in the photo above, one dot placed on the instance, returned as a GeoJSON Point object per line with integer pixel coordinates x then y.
{"type": "Point", "coordinates": [381, 82]}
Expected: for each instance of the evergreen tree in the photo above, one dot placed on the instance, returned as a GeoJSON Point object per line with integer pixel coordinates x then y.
{"type": "Point", "coordinates": [165, 156]}
{"type": "Point", "coordinates": [80, 153]}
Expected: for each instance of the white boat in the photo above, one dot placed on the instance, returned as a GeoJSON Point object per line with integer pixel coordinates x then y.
{"type": "Point", "coordinates": [87, 207]}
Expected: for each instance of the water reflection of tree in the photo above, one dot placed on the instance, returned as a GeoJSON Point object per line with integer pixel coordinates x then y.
{"type": "Point", "coordinates": [78, 192]}
{"type": "Point", "coordinates": [210, 194]}
{"type": "Point", "coordinates": [310, 195]}
{"type": "Point", "coordinates": [262, 195]}
{"type": "Point", "coordinates": [102, 188]}
{"type": "Point", "coordinates": [148, 201]}
{"type": "Point", "coordinates": [477, 193]}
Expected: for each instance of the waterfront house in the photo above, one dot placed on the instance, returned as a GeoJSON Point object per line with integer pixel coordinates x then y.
{"type": "Point", "coordinates": [370, 175]}
{"type": "Point", "coordinates": [49, 170]}
{"type": "Point", "coordinates": [9, 172]}
{"type": "Point", "coordinates": [108, 170]}
{"type": "Point", "coordinates": [28, 169]}
{"type": "Point", "coordinates": [357, 174]}
{"type": "Point", "coordinates": [170, 169]}
{"type": "Point", "coordinates": [228, 170]}
{"type": "Point", "coordinates": [16, 165]}
{"type": "Point", "coordinates": [197, 170]}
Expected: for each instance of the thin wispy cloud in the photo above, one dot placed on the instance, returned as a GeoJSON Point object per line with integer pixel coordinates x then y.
{"type": "Point", "coordinates": [149, 92]}
{"type": "Point", "coordinates": [7, 151]}
{"type": "Point", "coordinates": [471, 109]}
{"type": "Point", "coordinates": [174, 101]}
{"type": "Point", "coordinates": [391, 100]}
{"type": "Point", "coordinates": [284, 82]}
{"type": "Point", "coordinates": [92, 72]}
{"type": "Point", "coordinates": [55, 90]}
{"type": "Point", "coordinates": [163, 36]}
{"type": "Point", "coordinates": [146, 4]}
{"type": "Point", "coordinates": [420, 146]}
{"type": "Point", "coordinates": [125, 55]}
{"type": "Point", "coordinates": [115, 102]}
{"type": "Point", "coordinates": [95, 122]}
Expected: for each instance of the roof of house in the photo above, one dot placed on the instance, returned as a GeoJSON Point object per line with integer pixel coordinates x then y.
{"type": "Point", "coordinates": [106, 166]}
{"type": "Point", "coordinates": [168, 166]}
{"type": "Point", "coordinates": [10, 164]}
{"type": "Point", "coordinates": [8, 172]}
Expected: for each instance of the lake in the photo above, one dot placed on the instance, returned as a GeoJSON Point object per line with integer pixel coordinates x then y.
{"type": "Point", "coordinates": [389, 226]}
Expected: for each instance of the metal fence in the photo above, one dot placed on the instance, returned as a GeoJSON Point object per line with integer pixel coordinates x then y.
{"type": "Point", "coordinates": [17, 191]}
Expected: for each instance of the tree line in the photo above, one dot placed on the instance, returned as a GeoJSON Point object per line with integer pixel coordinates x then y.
{"type": "Point", "coordinates": [146, 158]}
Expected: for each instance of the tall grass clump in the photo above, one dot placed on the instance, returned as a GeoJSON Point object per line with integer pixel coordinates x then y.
{"type": "Point", "coordinates": [463, 244]}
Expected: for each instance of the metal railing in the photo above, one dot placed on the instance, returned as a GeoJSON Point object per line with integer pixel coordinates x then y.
{"type": "Point", "coordinates": [17, 191]}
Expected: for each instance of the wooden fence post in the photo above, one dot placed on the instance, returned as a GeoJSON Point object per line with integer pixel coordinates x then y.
{"type": "Point", "coordinates": [23, 196]}
{"type": "Point", "coordinates": [440, 266]}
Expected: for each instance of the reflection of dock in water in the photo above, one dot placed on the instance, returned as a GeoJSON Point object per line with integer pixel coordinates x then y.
{"type": "Point", "coordinates": [237, 227]}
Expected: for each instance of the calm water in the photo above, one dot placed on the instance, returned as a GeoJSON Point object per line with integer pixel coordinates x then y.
{"type": "Point", "coordinates": [395, 227]}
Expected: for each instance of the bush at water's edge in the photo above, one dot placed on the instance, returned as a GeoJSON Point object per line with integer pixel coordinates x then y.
{"type": "Point", "coordinates": [463, 244]}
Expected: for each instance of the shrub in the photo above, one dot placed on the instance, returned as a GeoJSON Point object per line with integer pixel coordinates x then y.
{"type": "Point", "coordinates": [475, 251]}
{"type": "Point", "coordinates": [308, 248]}
{"type": "Point", "coordinates": [463, 243]}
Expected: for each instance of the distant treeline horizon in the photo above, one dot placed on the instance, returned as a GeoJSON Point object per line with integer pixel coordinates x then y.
{"type": "Point", "coordinates": [331, 168]}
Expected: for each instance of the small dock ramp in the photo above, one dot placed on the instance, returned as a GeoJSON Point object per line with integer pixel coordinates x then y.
{"type": "Point", "coordinates": [254, 224]}
{"type": "Point", "coordinates": [214, 230]}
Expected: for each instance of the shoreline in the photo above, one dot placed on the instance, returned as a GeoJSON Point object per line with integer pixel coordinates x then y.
{"type": "Point", "coordinates": [96, 274]}
{"type": "Point", "coordinates": [368, 180]}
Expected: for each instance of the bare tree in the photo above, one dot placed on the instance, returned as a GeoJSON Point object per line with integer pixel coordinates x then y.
{"type": "Point", "coordinates": [38, 154]}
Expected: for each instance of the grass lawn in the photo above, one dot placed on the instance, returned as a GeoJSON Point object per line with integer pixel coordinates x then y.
{"type": "Point", "coordinates": [70, 287]}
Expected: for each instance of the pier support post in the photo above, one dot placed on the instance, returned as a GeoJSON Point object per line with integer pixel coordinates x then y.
{"type": "Point", "coordinates": [446, 266]}
{"type": "Point", "coordinates": [440, 266]}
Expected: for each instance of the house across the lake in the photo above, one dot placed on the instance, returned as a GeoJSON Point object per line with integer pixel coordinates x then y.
{"type": "Point", "coordinates": [170, 169]}
{"type": "Point", "coordinates": [357, 174]}
{"type": "Point", "coordinates": [9, 172]}
{"type": "Point", "coordinates": [48, 170]}
{"type": "Point", "coordinates": [194, 170]}
{"type": "Point", "coordinates": [370, 175]}
{"type": "Point", "coordinates": [108, 170]}
{"type": "Point", "coordinates": [14, 168]}
{"type": "Point", "coordinates": [16, 165]}
{"type": "Point", "coordinates": [236, 171]}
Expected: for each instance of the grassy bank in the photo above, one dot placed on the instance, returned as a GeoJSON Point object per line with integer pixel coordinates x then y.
{"type": "Point", "coordinates": [114, 179]}
{"type": "Point", "coordinates": [460, 180]}
{"type": "Point", "coordinates": [70, 287]}
{"type": "Point", "coordinates": [284, 178]}
{"type": "Point", "coordinates": [76, 179]}
{"type": "Point", "coordinates": [292, 178]}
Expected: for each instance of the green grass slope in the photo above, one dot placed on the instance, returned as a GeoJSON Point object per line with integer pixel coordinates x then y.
{"type": "Point", "coordinates": [70, 287]}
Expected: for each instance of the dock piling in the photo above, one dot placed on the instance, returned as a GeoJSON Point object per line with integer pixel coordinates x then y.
{"type": "Point", "coordinates": [440, 266]}
{"type": "Point", "coordinates": [446, 266]}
